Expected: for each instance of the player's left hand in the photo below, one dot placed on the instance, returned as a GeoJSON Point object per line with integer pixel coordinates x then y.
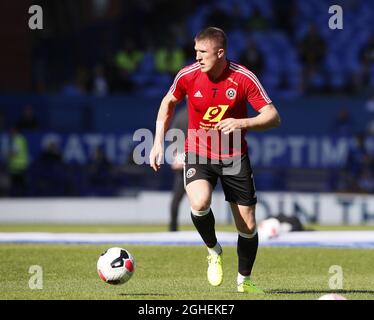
{"type": "Point", "coordinates": [229, 125]}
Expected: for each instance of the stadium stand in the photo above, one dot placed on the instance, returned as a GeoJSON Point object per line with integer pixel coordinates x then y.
{"type": "Point", "coordinates": [88, 90]}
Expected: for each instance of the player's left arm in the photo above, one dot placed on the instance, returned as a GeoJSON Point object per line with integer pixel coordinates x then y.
{"type": "Point", "coordinates": [267, 118]}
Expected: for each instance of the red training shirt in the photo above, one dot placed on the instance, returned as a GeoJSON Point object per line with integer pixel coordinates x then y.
{"type": "Point", "coordinates": [212, 101]}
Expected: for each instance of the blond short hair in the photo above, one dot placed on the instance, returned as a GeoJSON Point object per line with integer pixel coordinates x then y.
{"type": "Point", "coordinates": [215, 34]}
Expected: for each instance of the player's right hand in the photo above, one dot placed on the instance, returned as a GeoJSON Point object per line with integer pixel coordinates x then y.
{"type": "Point", "coordinates": [155, 157]}
{"type": "Point", "coordinates": [178, 162]}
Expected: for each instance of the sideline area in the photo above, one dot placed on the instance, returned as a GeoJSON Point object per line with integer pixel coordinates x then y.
{"type": "Point", "coordinates": [337, 239]}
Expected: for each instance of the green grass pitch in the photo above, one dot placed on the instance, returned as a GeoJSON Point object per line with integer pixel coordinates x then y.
{"type": "Point", "coordinates": [179, 272]}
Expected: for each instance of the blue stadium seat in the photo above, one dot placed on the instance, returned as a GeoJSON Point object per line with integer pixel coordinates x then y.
{"type": "Point", "coordinates": [337, 80]}
{"type": "Point", "coordinates": [264, 6]}
{"type": "Point", "coordinates": [270, 80]}
{"type": "Point", "coordinates": [372, 76]}
{"type": "Point", "coordinates": [147, 65]}
{"type": "Point", "coordinates": [332, 63]}
{"type": "Point", "coordinates": [352, 62]}
{"type": "Point", "coordinates": [196, 21]}
{"type": "Point", "coordinates": [318, 80]}
{"type": "Point", "coordinates": [237, 40]}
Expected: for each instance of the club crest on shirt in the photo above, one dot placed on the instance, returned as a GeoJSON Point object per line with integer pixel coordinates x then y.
{"type": "Point", "coordinates": [190, 173]}
{"type": "Point", "coordinates": [231, 93]}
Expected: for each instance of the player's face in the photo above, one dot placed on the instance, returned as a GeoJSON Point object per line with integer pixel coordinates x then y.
{"type": "Point", "coordinates": [207, 54]}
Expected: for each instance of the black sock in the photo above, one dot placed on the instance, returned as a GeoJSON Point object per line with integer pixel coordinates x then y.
{"type": "Point", "coordinates": [247, 250]}
{"type": "Point", "coordinates": [205, 226]}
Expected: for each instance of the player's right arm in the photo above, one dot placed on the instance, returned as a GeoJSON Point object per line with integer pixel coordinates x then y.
{"type": "Point", "coordinates": [165, 114]}
{"type": "Point", "coordinates": [176, 93]}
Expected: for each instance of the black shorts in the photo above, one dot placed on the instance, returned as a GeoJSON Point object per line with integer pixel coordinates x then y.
{"type": "Point", "coordinates": [236, 176]}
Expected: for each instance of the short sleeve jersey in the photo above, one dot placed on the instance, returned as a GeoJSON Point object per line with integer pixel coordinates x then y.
{"type": "Point", "coordinates": [212, 101]}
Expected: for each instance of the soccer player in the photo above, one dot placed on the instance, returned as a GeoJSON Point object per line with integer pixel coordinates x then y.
{"type": "Point", "coordinates": [218, 91]}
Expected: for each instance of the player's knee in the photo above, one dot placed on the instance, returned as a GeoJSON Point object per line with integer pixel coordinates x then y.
{"type": "Point", "coordinates": [200, 203]}
{"type": "Point", "coordinates": [252, 228]}
{"type": "Point", "coordinates": [200, 206]}
{"type": "Point", "coordinates": [248, 230]}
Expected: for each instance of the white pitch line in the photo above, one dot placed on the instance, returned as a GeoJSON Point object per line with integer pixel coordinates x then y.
{"type": "Point", "coordinates": [344, 239]}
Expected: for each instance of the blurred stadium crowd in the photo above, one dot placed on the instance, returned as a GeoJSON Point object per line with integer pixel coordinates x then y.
{"type": "Point", "coordinates": [138, 46]}
{"type": "Point", "coordinates": [135, 47]}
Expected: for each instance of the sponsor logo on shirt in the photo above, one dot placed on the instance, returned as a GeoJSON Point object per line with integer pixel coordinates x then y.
{"type": "Point", "coordinates": [215, 114]}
